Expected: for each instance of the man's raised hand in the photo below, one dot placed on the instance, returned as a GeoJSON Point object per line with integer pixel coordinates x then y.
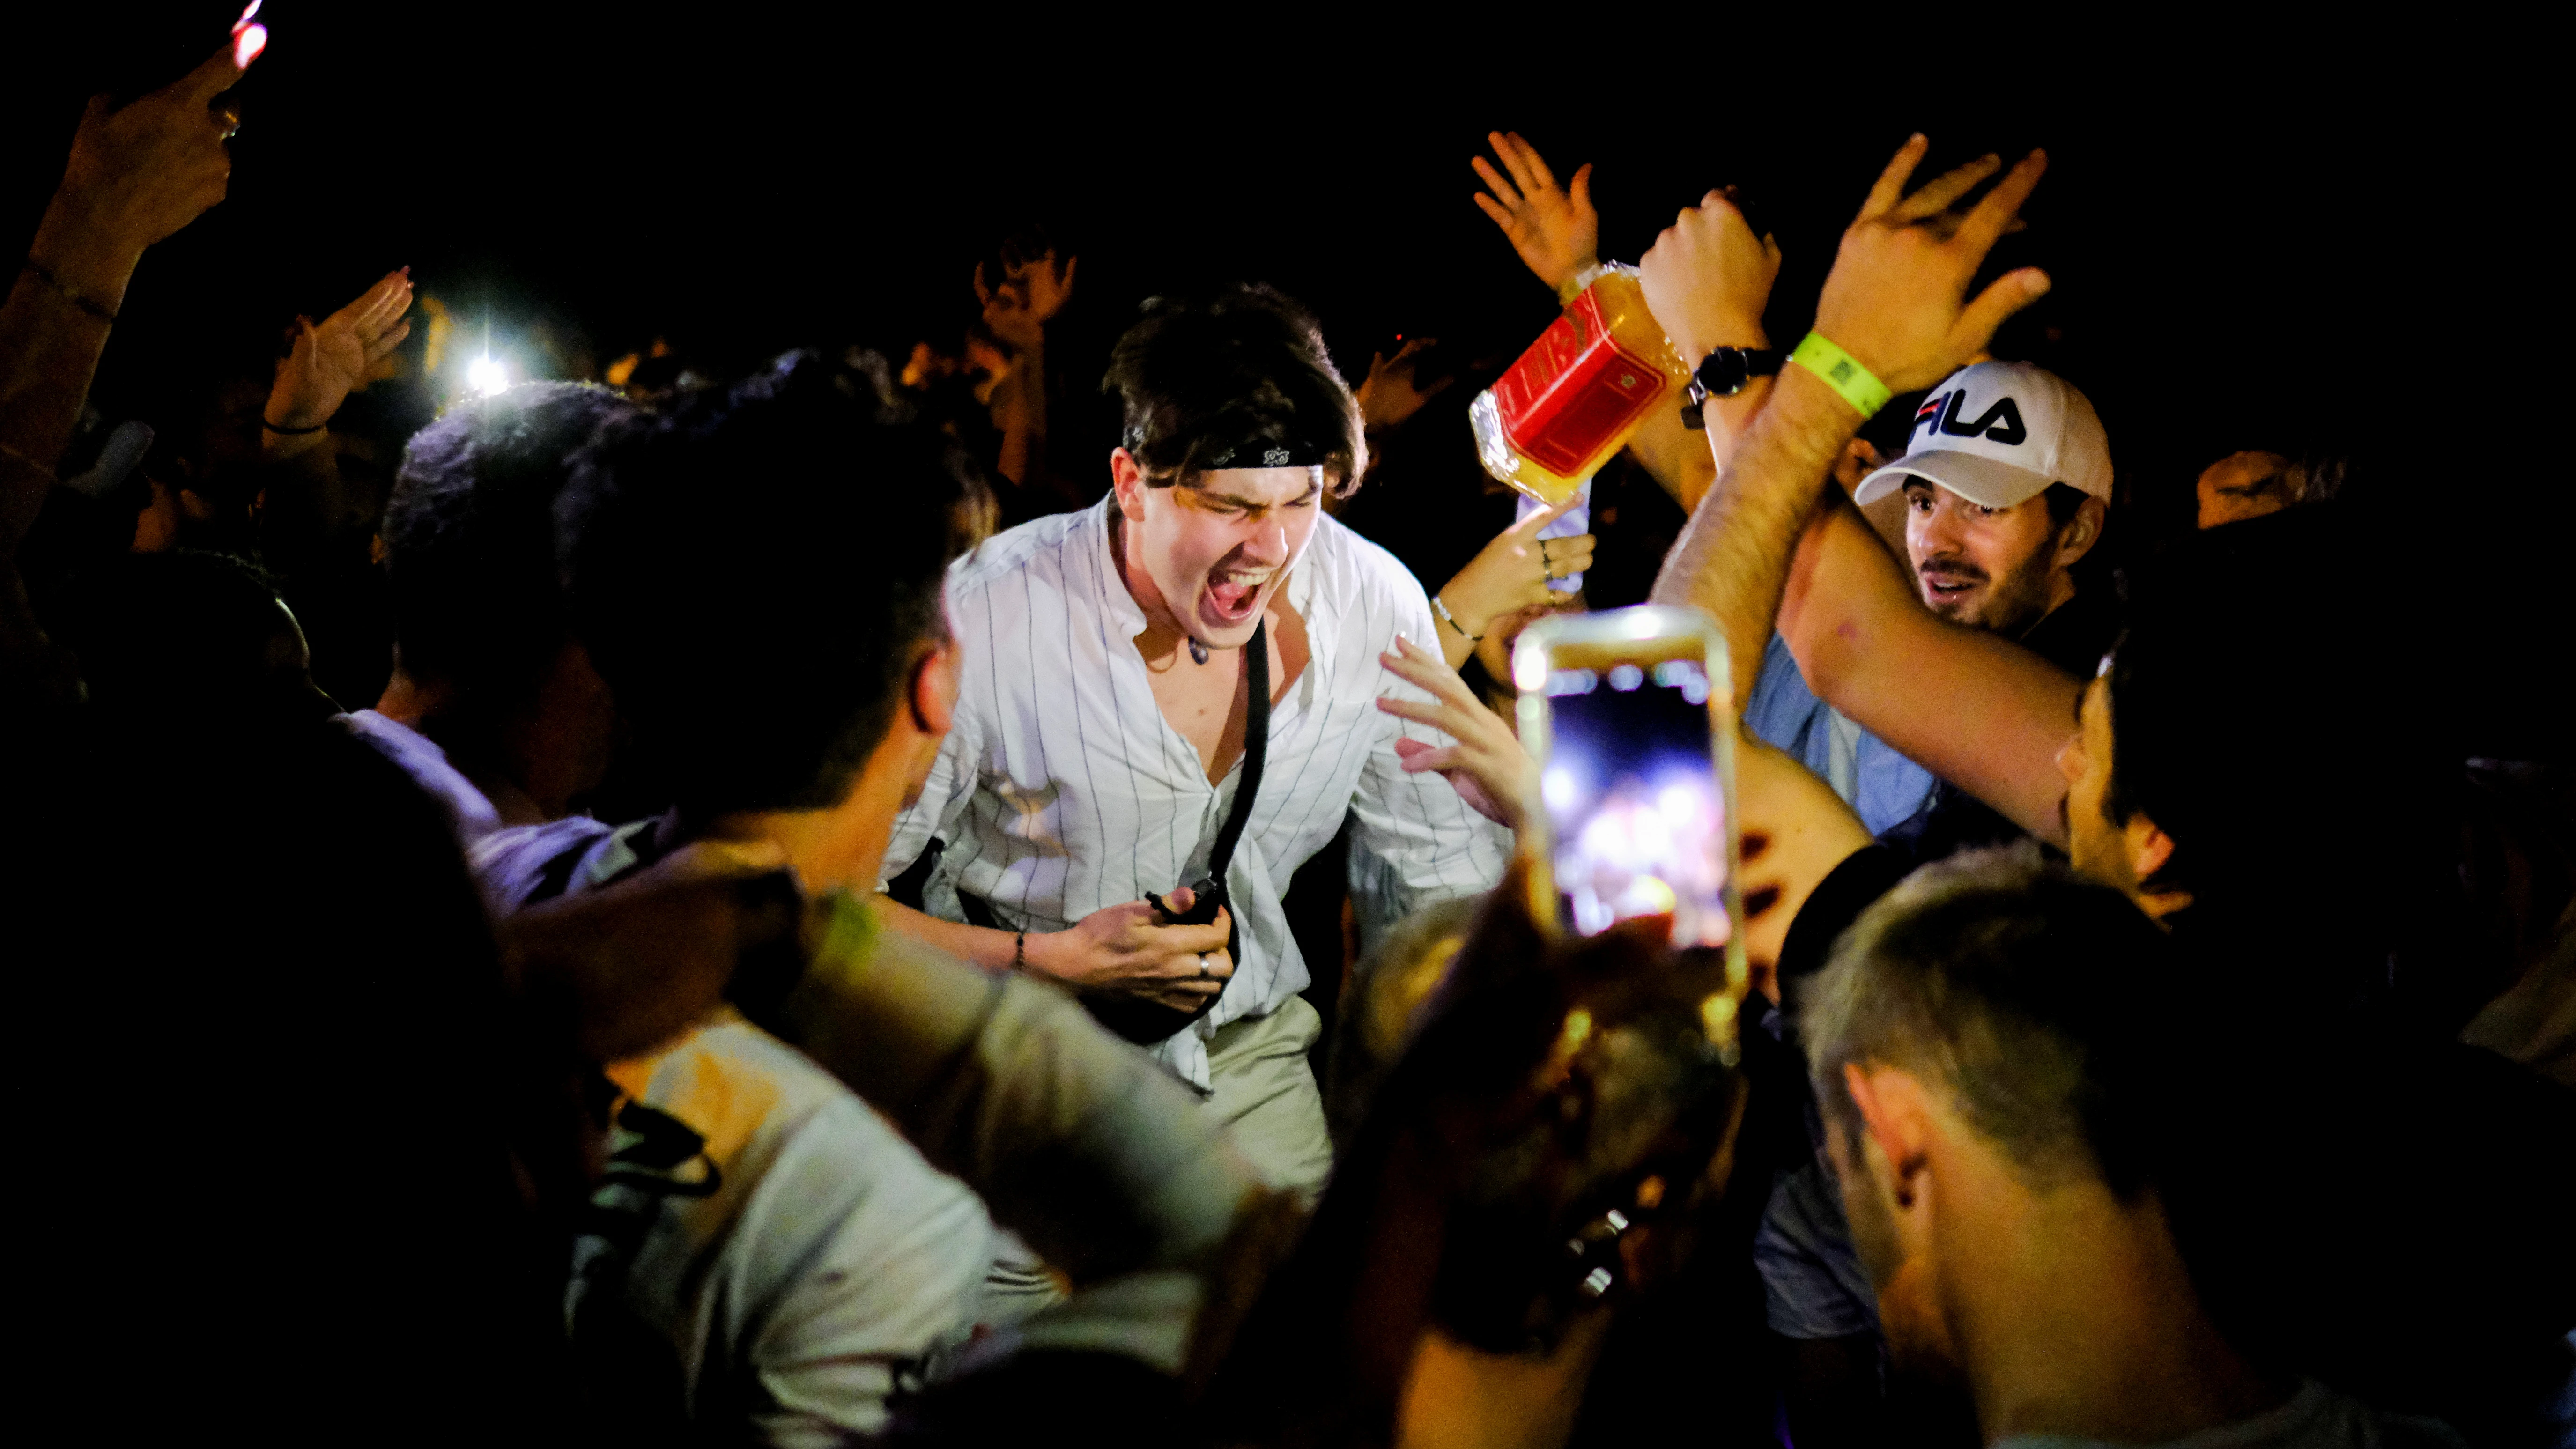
{"type": "Point", "coordinates": [1393, 391]}
{"type": "Point", "coordinates": [1556, 232]}
{"type": "Point", "coordinates": [329, 359]}
{"type": "Point", "coordinates": [1707, 278]}
{"type": "Point", "coordinates": [142, 171]}
{"type": "Point", "coordinates": [1897, 299]}
{"type": "Point", "coordinates": [1028, 296]}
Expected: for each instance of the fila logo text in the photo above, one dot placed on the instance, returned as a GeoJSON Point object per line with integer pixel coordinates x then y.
{"type": "Point", "coordinates": [1999, 424]}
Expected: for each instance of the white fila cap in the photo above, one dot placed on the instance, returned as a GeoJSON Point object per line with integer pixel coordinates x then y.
{"type": "Point", "coordinates": [1997, 434]}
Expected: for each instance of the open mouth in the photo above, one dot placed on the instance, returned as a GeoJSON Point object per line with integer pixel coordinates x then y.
{"type": "Point", "coordinates": [1944, 587]}
{"type": "Point", "coordinates": [1234, 594]}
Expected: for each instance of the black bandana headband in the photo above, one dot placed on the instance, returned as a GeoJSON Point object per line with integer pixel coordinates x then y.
{"type": "Point", "coordinates": [1254, 453]}
{"type": "Point", "coordinates": [1261, 453]}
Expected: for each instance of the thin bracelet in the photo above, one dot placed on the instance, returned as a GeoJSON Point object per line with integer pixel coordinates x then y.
{"type": "Point", "coordinates": [1442, 609]}
{"type": "Point", "coordinates": [91, 305]}
{"type": "Point", "coordinates": [293, 432]}
{"type": "Point", "coordinates": [1020, 952]}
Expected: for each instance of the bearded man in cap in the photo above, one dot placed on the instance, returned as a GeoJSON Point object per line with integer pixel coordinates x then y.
{"type": "Point", "coordinates": [2007, 478]}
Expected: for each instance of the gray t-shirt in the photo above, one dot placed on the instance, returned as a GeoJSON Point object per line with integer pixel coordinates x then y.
{"type": "Point", "coordinates": [2316, 1417]}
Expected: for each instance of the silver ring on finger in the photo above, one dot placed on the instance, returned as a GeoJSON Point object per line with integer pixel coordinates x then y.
{"type": "Point", "coordinates": [1204, 973]}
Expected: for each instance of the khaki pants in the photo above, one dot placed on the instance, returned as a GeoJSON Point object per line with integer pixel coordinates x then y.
{"type": "Point", "coordinates": [1266, 1095]}
{"type": "Point", "coordinates": [1265, 1092]}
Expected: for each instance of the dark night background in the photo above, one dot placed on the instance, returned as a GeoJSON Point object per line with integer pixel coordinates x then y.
{"type": "Point", "coordinates": [2253, 245]}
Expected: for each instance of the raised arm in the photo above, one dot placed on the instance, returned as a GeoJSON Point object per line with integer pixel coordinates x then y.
{"type": "Point", "coordinates": [1017, 308]}
{"type": "Point", "coordinates": [1896, 304]}
{"type": "Point", "coordinates": [308, 501]}
{"type": "Point", "coordinates": [1708, 280]}
{"type": "Point", "coordinates": [1555, 231]}
{"type": "Point", "coordinates": [136, 174]}
{"type": "Point", "coordinates": [1972, 707]}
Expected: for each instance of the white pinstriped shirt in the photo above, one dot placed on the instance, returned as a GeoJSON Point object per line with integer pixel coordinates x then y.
{"type": "Point", "coordinates": [1062, 790]}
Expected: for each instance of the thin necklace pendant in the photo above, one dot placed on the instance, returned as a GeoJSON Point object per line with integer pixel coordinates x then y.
{"type": "Point", "coordinates": [1198, 652]}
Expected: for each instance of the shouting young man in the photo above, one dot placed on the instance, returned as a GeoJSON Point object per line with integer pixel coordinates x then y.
{"type": "Point", "coordinates": [1173, 705]}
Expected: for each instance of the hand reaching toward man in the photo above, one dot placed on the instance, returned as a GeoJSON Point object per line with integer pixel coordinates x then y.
{"type": "Point", "coordinates": [1487, 764]}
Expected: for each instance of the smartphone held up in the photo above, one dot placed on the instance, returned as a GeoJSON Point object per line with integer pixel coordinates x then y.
{"type": "Point", "coordinates": [1630, 716]}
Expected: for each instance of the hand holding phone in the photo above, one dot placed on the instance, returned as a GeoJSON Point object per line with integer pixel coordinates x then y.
{"type": "Point", "coordinates": [1630, 716]}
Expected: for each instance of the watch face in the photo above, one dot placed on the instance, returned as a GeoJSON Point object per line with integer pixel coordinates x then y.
{"type": "Point", "coordinates": [1724, 372]}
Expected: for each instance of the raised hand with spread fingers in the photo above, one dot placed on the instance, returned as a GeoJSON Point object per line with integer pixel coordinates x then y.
{"type": "Point", "coordinates": [331, 357]}
{"type": "Point", "coordinates": [1556, 231]}
{"type": "Point", "coordinates": [1487, 764]}
{"type": "Point", "coordinates": [1897, 299]}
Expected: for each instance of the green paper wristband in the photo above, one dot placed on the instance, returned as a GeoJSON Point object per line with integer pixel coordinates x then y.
{"type": "Point", "coordinates": [1843, 373]}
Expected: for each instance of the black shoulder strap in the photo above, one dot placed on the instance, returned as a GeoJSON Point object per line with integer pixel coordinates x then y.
{"type": "Point", "coordinates": [1256, 750]}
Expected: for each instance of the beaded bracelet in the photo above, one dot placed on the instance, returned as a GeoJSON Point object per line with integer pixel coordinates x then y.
{"type": "Point", "coordinates": [1442, 609]}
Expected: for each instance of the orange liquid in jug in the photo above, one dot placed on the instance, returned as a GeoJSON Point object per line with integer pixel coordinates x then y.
{"type": "Point", "coordinates": [1578, 394]}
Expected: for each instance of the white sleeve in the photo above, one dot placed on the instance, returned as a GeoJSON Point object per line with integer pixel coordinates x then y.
{"type": "Point", "coordinates": [1414, 841]}
{"type": "Point", "coordinates": [896, 1279]}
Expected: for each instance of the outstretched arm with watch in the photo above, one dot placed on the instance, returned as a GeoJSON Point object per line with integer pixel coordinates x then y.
{"type": "Point", "coordinates": [1707, 279]}
{"type": "Point", "coordinates": [1894, 315]}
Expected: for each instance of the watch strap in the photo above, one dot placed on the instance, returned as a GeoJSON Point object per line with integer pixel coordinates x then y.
{"type": "Point", "coordinates": [1725, 371]}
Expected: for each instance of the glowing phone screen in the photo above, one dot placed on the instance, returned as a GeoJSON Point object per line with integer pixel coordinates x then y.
{"type": "Point", "coordinates": [1637, 823]}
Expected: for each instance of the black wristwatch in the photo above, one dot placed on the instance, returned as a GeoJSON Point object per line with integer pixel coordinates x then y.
{"type": "Point", "coordinates": [1724, 373]}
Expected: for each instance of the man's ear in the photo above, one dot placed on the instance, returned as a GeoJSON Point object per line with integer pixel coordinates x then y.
{"type": "Point", "coordinates": [2082, 531]}
{"type": "Point", "coordinates": [1892, 1108]}
{"type": "Point", "coordinates": [1127, 480]}
{"type": "Point", "coordinates": [1858, 461]}
{"type": "Point", "coordinates": [2150, 849]}
{"type": "Point", "coordinates": [932, 696]}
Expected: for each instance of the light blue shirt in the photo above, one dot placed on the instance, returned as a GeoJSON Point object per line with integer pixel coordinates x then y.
{"type": "Point", "coordinates": [1882, 787]}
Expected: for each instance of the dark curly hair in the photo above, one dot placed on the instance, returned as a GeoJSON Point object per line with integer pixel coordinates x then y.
{"type": "Point", "coordinates": [754, 575]}
{"type": "Point", "coordinates": [1198, 379]}
{"type": "Point", "coordinates": [469, 537]}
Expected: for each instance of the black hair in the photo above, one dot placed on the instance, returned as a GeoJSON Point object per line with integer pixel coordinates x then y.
{"type": "Point", "coordinates": [469, 538]}
{"type": "Point", "coordinates": [755, 573]}
{"type": "Point", "coordinates": [185, 635]}
{"type": "Point", "coordinates": [1199, 379]}
{"type": "Point", "coordinates": [2033, 996]}
{"type": "Point", "coordinates": [2258, 719]}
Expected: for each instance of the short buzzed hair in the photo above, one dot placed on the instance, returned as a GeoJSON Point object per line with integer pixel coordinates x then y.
{"type": "Point", "coordinates": [2026, 992]}
{"type": "Point", "coordinates": [755, 573]}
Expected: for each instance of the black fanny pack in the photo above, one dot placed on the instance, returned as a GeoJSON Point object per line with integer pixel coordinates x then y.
{"type": "Point", "coordinates": [1134, 1017]}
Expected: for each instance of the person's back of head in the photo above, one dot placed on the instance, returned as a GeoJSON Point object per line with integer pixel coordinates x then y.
{"type": "Point", "coordinates": [2261, 717]}
{"type": "Point", "coordinates": [2036, 999]}
{"type": "Point", "coordinates": [755, 573]}
{"type": "Point", "coordinates": [469, 539]}
{"type": "Point", "coordinates": [185, 636]}
{"type": "Point", "coordinates": [1237, 380]}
